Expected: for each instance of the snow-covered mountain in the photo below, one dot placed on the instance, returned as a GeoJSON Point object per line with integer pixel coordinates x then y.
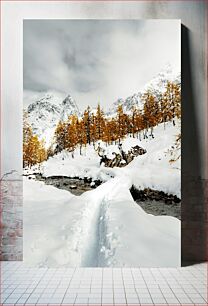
{"type": "Point", "coordinates": [157, 85]}
{"type": "Point", "coordinates": [159, 82]}
{"type": "Point", "coordinates": [45, 113]}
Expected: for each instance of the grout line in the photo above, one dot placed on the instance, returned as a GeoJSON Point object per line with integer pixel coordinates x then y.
{"type": "Point", "coordinates": [14, 274]}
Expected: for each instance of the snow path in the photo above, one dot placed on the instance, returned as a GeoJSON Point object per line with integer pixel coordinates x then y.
{"type": "Point", "coordinates": [94, 216]}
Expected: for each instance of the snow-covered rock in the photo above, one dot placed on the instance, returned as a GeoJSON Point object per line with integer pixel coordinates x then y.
{"type": "Point", "coordinates": [68, 108]}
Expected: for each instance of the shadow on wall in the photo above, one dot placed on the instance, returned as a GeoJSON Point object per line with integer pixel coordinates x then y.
{"type": "Point", "coordinates": [194, 226]}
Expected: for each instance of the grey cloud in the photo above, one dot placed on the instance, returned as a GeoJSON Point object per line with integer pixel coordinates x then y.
{"type": "Point", "coordinates": [97, 59]}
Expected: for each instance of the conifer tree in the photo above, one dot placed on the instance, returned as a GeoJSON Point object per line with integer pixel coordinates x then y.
{"type": "Point", "coordinates": [50, 151]}
{"type": "Point", "coordinates": [164, 106]}
{"type": "Point", "coordinates": [27, 134]}
{"type": "Point", "coordinates": [71, 135]}
{"type": "Point", "coordinates": [99, 122]}
{"type": "Point", "coordinates": [146, 112]}
{"type": "Point", "coordinates": [177, 101]}
{"type": "Point", "coordinates": [169, 102]}
{"type": "Point", "coordinates": [121, 123]}
{"type": "Point", "coordinates": [111, 131]}
{"type": "Point", "coordinates": [150, 112]}
{"type": "Point", "coordinates": [139, 123]}
{"type": "Point", "coordinates": [61, 136]}
{"type": "Point", "coordinates": [93, 130]}
{"type": "Point", "coordinates": [160, 108]}
{"type": "Point", "coordinates": [87, 123]}
{"type": "Point", "coordinates": [42, 152]}
{"type": "Point", "coordinates": [33, 150]}
{"type": "Point", "coordinates": [133, 121]}
{"type": "Point", "coordinates": [82, 137]}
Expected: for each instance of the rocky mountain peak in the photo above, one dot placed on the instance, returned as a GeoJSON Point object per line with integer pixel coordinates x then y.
{"type": "Point", "coordinates": [68, 108]}
{"type": "Point", "coordinates": [45, 113]}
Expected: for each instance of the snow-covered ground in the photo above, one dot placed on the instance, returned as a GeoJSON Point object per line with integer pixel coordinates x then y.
{"type": "Point", "coordinates": [105, 227]}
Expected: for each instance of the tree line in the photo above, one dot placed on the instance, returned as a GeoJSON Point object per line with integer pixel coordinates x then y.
{"type": "Point", "coordinates": [94, 126]}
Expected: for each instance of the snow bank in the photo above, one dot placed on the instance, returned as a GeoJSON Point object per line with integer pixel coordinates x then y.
{"type": "Point", "coordinates": [55, 225]}
{"type": "Point", "coordinates": [134, 238]}
{"type": "Point", "coordinates": [103, 227]}
{"type": "Point", "coordinates": [160, 168]}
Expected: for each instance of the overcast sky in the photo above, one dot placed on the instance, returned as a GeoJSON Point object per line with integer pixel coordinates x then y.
{"type": "Point", "coordinates": [96, 61]}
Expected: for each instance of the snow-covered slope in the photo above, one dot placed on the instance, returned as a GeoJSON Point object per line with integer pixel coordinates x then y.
{"type": "Point", "coordinates": [158, 169]}
{"type": "Point", "coordinates": [157, 85]}
{"type": "Point", "coordinates": [45, 113]}
{"type": "Point", "coordinates": [103, 227]}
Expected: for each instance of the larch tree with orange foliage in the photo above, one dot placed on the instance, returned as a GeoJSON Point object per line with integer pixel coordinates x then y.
{"type": "Point", "coordinates": [60, 136]}
{"type": "Point", "coordinates": [99, 123]}
{"type": "Point", "coordinates": [139, 123]}
{"type": "Point", "coordinates": [94, 126]}
{"type": "Point", "coordinates": [72, 134]}
{"type": "Point", "coordinates": [34, 151]}
{"type": "Point", "coordinates": [121, 123]}
{"type": "Point", "coordinates": [87, 123]}
{"type": "Point", "coordinates": [82, 137]}
{"type": "Point", "coordinates": [93, 129]}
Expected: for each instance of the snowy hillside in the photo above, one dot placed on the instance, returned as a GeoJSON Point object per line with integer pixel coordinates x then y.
{"type": "Point", "coordinates": [45, 113]}
{"type": "Point", "coordinates": [158, 169]}
{"type": "Point", "coordinates": [157, 85]}
{"type": "Point", "coordinates": [105, 227]}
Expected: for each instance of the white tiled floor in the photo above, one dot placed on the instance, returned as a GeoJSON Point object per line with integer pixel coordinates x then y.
{"type": "Point", "coordinates": [95, 286]}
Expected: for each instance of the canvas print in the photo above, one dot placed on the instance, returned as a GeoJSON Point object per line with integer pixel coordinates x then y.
{"type": "Point", "coordinates": [102, 143]}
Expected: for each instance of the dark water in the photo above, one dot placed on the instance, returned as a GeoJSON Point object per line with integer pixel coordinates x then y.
{"type": "Point", "coordinates": [76, 186]}
{"type": "Point", "coordinates": [157, 202]}
{"type": "Point", "coordinates": [160, 208]}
